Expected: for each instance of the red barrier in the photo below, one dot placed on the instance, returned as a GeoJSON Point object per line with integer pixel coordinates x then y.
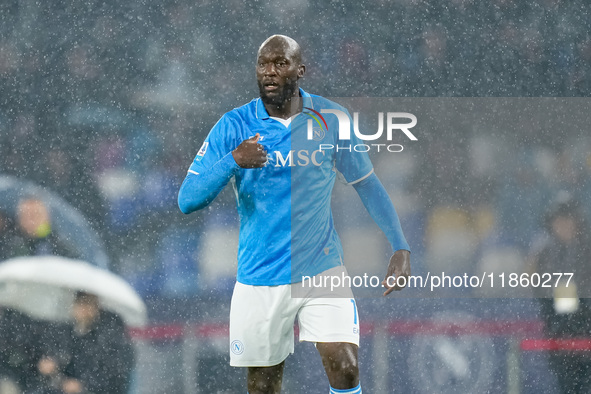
{"type": "Point", "coordinates": [489, 328]}
{"type": "Point", "coordinates": [571, 344]}
{"type": "Point", "coordinates": [407, 327]}
{"type": "Point", "coordinates": [158, 332]}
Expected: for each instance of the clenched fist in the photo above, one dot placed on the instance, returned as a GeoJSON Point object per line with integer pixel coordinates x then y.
{"type": "Point", "coordinates": [250, 154]}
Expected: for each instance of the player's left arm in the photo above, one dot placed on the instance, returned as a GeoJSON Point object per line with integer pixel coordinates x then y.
{"type": "Point", "coordinates": [376, 200]}
{"type": "Point", "coordinates": [357, 170]}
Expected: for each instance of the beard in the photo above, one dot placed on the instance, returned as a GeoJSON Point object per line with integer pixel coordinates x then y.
{"type": "Point", "coordinates": [281, 96]}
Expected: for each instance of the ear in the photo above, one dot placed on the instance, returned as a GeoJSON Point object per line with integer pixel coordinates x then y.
{"type": "Point", "coordinates": [301, 70]}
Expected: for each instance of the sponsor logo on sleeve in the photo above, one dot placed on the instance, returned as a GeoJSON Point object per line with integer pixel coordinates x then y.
{"type": "Point", "coordinates": [202, 151]}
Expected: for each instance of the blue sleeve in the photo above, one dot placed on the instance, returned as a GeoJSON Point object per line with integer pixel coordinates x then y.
{"type": "Point", "coordinates": [377, 202]}
{"type": "Point", "coordinates": [211, 169]}
{"type": "Point", "coordinates": [200, 189]}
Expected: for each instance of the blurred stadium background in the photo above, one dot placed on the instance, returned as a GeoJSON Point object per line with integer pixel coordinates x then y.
{"type": "Point", "coordinates": [105, 103]}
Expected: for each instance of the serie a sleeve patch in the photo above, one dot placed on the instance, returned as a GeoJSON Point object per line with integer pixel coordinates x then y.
{"type": "Point", "coordinates": [202, 150]}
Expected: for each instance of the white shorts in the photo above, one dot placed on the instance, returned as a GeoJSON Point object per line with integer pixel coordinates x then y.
{"type": "Point", "coordinates": [262, 323]}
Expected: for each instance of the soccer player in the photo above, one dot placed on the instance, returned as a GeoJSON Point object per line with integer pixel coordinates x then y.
{"type": "Point", "coordinates": [283, 181]}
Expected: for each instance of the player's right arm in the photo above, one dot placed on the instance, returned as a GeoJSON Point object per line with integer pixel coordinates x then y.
{"type": "Point", "coordinates": [215, 164]}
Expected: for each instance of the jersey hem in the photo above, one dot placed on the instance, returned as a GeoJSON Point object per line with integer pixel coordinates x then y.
{"type": "Point", "coordinates": [291, 281]}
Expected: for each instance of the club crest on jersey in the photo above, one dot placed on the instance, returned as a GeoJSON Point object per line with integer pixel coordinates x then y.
{"type": "Point", "coordinates": [202, 150]}
{"type": "Point", "coordinates": [316, 133]}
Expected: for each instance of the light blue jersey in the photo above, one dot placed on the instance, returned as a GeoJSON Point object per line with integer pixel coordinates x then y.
{"type": "Point", "coordinates": [286, 224]}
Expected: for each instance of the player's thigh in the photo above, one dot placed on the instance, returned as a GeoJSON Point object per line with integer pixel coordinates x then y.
{"type": "Point", "coordinates": [261, 325]}
{"type": "Point", "coordinates": [329, 320]}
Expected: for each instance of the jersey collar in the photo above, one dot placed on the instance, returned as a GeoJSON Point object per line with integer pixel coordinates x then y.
{"type": "Point", "coordinates": [261, 112]}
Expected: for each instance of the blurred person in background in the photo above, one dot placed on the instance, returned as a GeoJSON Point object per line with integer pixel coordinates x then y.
{"type": "Point", "coordinates": [564, 309]}
{"type": "Point", "coordinates": [19, 350]}
{"type": "Point", "coordinates": [7, 234]}
{"type": "Point", "coordinates": [92, 355]}
{"type": "Point", "coordinates": [35, 236]}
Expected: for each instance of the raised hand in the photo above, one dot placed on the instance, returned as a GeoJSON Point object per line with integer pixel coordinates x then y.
{"type": "Point", "coordinates": [250, 154]}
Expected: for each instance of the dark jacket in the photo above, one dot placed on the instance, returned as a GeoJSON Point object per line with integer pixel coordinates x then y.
{"type": "Point", "coordinates": [19, 347]}
{"type": "Point", "coordinates": [102, 359]}
{"type": "Point", "coordinates": [556, 257]}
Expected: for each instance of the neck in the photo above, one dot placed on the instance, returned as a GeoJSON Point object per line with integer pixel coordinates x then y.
{"type": "Point", "coordinates": [285, 110]}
